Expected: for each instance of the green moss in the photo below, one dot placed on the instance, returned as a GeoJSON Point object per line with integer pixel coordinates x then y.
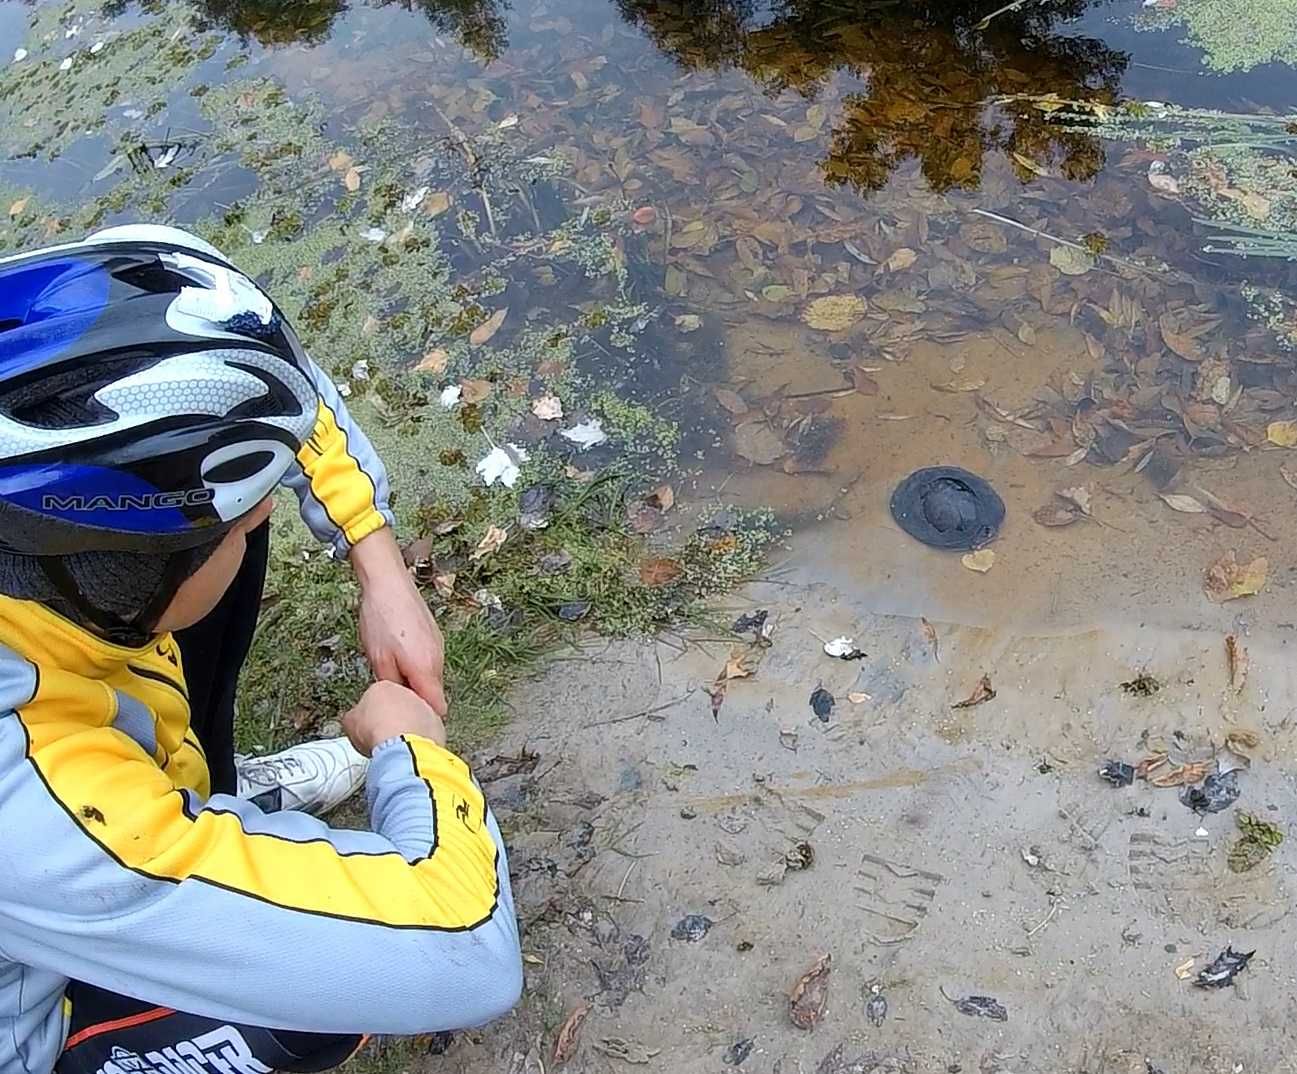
{"type": "Point", "coordinates": [1235, 35]}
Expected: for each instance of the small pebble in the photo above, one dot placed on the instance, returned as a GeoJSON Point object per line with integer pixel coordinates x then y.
{"type": "Point", "coordinates": [66, 65]}
{"type": "Point", "coordinates": [98, 46]}
{"type": "Point", "coordinates": [20, 54]}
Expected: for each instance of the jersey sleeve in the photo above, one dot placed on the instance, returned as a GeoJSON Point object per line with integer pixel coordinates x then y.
{"type": "Point", "coordinates": [119, 878]}
{"type": "Point", "coordinates": [340, 482]}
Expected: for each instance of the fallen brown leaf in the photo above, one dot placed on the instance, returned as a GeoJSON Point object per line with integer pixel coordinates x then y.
{"type": "Point", "coordinates": [1056, 514]}
{"type": "Point", "coordinates": [476, 391]}
{"type": "Point", "coordinates": [1159, 772]}
{"type": "Point", "coordinates": [731, 401]}
{"type": "Point", "coordinates": [862, 381]}
{"type": "Point", "coordinates": [490, 542]}
{"type": "Point", "coordinates": [1179, 501]}
{"type": "Point", "coordinates": [17, 207]}
{"type": "Point", "coordinates": [565, 1043]}
{"type": "Point", "coordinates": [484, 331]}
{"type": "Point", "coordinates": [663, 498]}
{"type": "Point", "coordinates": [1079, 496]}
{"type": "Point", "coordinates": [351, 180]}
{"type": "Point", "coordinates": [810, 994]}
{"type": "Point", "coordinates": [1227, 579]}
{"type": "Point", "coordinates": [1237, 659]}
{"type": "Point", "coordinates": [983, 692]}
{"type": "Point", "coordinates": [435, 361]}
{"type": "Point", "coordinates": [757, 442]}
{"type": "Point", "coordinates": [901, 259]}
{"type": "Point", "coordinates": [659, 572]}
{"type": "Point", "coordinates": [981, 561]}
{"type": "Point", "coordinates": [743, 662]}
{"type": "Point", "coordinates": [417, 551]}
{"type": "Point", "coordinates": [1183, 335]}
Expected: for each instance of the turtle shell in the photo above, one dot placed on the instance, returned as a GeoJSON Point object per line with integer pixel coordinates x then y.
{"type": "Point", "coordinates": [946, 507]}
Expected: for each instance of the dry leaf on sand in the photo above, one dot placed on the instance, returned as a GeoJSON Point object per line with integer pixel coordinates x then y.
{"type": "Point", "coordinates": [810, 994]}
{"type": "Point", "coordinates": [1079, 496]}
{"type": "Point", "coordinates": [1227, 579]}
{"type": "Point", "coordinates": [1056, 514]}
{"type": "Point", "coordinates": [488, 328]}
{"type": "Point", "coordinates": [981, 561]}
{"type": "Point", "coordinates": [565, 1044]}
{"type": "Point", "coordinates": [743, 662]}
{"type": "Point", "coordinates": [981, 693]}
{"type": "Point", "coordinates": [1179, 501]}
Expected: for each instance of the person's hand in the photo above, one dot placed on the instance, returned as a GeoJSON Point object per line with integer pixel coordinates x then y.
{"type": "Point", "coordinates": [397, 631]}
{"type": "Point", "coordinates": [386, 710]}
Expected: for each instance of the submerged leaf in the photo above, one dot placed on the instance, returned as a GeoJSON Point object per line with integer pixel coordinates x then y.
{"type": "Point", "coordinates": [758, 443]}
{"type": "Point", "coordinates": [901, 259]}
{"type": "Point", "coordinates": [834, 313]}
{"type": "Point", "coordinates": [731, 401]}
{"type": "Point", "coordinates": [547, 408]}
{"type": "Point", "coordinates": [435, 361]}
{"type": "Point", "coordinates": [1071, 261]}
{"type": "Point", "coordinates": [586, 434]}
{"type": "Point", "coordinates": [1282, 433]}
{"type": "Point", "coordinates": [483, 332]}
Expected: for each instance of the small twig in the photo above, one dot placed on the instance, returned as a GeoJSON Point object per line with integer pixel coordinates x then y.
{"type": "Point", "coordinates": [1055, 238]}
{"type": "Point", "coordinates": [622, 886]}
{"type": "Point", "coordinates": [637, 715]}
{"type": "Point", "coordinates": [666, 251]}
{"type": "Point", "coordinates": [1013, 5]}
{"type": "Point", "coordinates": [1054, 904]}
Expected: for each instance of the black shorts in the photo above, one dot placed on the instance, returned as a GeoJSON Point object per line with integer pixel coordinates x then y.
{"type": "Point", "coordinates": [113, 1034]}
{"type": "Point", "coordinates": [110, 1034]}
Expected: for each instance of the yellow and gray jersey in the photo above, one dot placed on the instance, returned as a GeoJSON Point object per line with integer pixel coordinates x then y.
{"type": "Point", "coordinates": [339, 480]}
{"type": "Point", "coordinates": [118, 869]}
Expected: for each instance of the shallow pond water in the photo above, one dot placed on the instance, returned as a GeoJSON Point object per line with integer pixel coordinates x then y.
{"type": "Point", "coordinates": [861, 246]}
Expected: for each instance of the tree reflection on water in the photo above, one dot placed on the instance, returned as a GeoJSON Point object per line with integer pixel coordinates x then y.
{"type": "Point", "coordinates": [928, 70]}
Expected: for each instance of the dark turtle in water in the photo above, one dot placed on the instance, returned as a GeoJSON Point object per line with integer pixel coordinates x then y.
{"type": "Point", "coordinates": [946, 507]}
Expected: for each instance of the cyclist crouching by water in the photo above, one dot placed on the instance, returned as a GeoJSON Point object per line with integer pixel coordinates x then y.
{"type": "Point", "coordinates": [165, 906]}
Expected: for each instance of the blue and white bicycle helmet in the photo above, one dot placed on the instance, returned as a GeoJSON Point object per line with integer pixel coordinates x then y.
{"type": "Point", "coordinates": [150, 395]}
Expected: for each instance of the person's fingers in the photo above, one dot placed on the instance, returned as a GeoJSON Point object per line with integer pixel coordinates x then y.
{"type": "Point", "coordinates": [385, 668]}
{"type": "Point", "coordinates": [424, 681]}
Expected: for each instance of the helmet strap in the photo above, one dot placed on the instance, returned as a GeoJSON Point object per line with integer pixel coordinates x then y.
{"type": "Point", "coordinates": [136, 631]}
